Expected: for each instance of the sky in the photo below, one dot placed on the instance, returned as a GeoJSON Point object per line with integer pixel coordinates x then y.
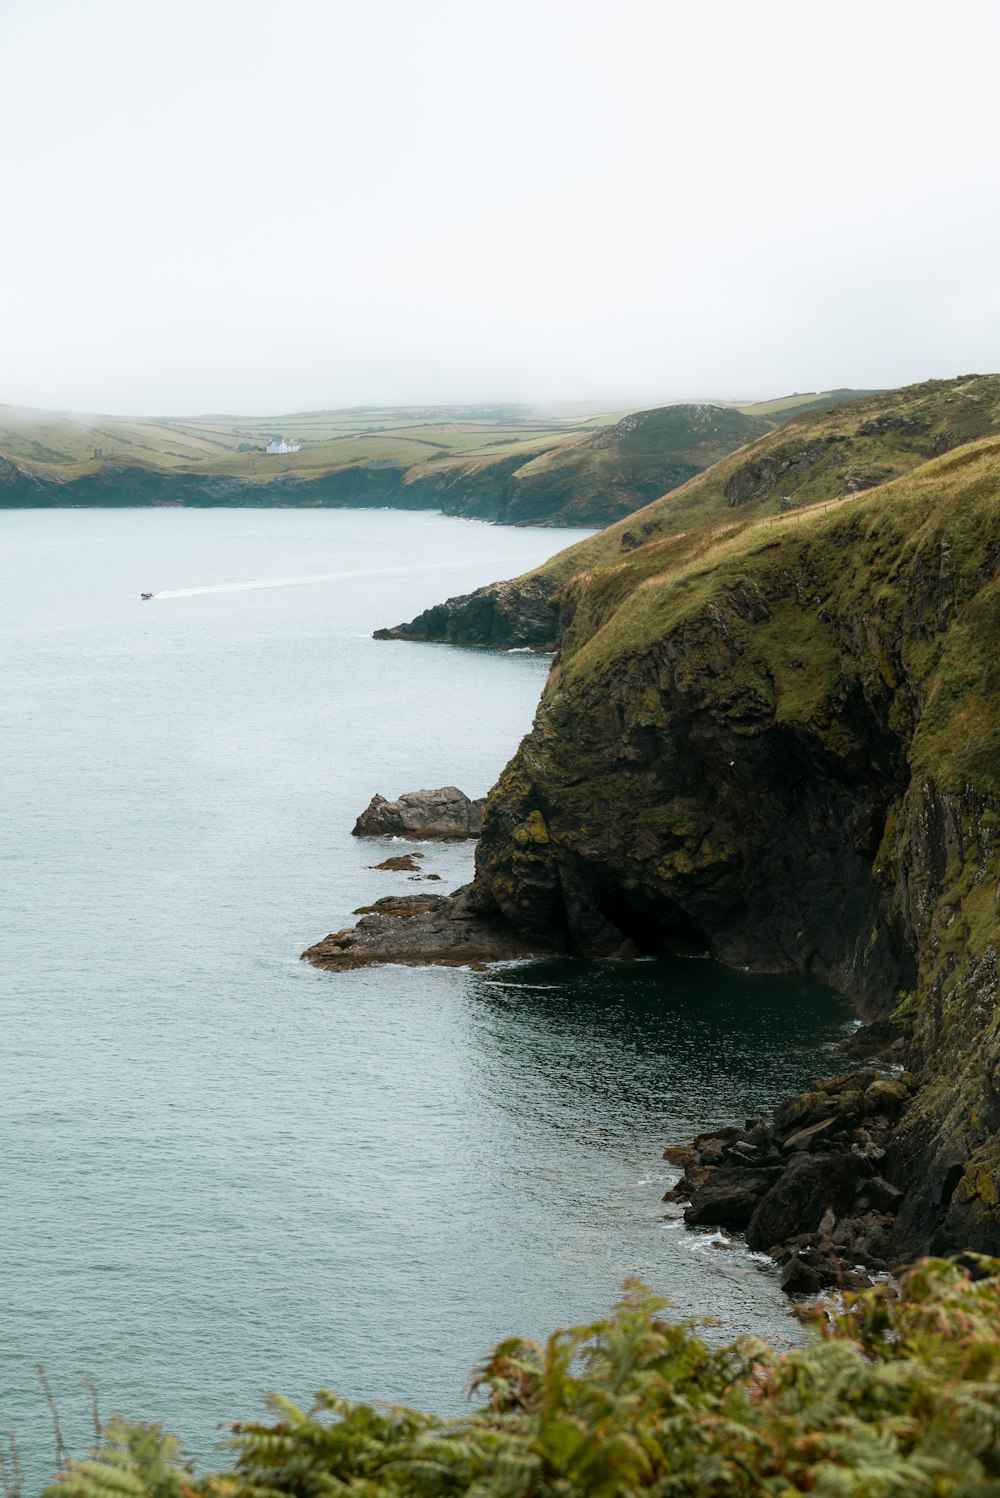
{"type": "Point", "coordinates": [235, 205]}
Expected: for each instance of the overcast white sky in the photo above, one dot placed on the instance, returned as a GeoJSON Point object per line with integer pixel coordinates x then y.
{"type": "Point", "coordinates": [239, 205]}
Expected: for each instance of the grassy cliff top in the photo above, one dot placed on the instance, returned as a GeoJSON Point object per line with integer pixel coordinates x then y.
{"type": "Point", "coordinates": [787, 405]}
{"type": "Point", "coordinates": [862, 553]}
{"type": "Point", "coordinates": [819, 456]}
{"type": "Point", "coordinates": [701, 433]}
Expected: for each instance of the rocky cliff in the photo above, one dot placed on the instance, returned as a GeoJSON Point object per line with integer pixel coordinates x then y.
{"type": "Point", "coordinates": [512, 615]}
{"type": "Point", "coordinates": [780, 744]}
{"type": "Point", "coordinates": [818, 457]}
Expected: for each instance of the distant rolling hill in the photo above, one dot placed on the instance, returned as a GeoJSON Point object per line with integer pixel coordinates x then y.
{"type": "Point", "coordinates": [499, 463]}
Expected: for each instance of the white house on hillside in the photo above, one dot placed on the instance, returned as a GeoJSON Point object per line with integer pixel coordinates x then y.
{"type": "Point", "coordinates": [283, 445]}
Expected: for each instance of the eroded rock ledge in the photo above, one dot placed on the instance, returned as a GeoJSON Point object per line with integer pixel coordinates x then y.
{"type": "Point", "coordinates": [423, 930]}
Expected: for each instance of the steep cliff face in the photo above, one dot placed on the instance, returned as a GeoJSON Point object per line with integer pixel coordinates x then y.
{"type": "Point", "coordinates": [781, 744]}
{"type": "Point", "coordinates": [818, 457]}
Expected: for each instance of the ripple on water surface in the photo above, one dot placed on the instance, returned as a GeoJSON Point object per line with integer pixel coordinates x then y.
{"type": "Point", "coordinates": [226, 1172]}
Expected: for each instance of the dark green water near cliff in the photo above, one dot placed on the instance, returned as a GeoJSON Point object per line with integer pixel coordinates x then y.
{"type": "Point", "coordinates": [225, 1172]}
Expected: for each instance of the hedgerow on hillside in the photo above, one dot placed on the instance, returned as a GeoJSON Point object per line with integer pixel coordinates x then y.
{"type": "Point", "coordinates": [898, 1394]}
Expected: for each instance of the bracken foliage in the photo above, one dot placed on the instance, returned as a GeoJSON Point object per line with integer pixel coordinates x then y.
{"type": "Point", "coordinates": [897, 1395]}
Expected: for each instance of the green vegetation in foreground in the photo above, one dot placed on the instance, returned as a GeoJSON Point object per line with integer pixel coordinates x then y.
{"type": "Point", "coordinates": [896, 1397]}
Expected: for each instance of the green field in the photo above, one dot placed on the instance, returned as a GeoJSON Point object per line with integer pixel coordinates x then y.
{"type": "Point", "coordinates": [234, 445]}
{"type": "Point", "coordinates": [510, 464]}
{"type": "Point", "coordinates": [68, 444]}
{"type": "Point", "coordinates": [788, 405]}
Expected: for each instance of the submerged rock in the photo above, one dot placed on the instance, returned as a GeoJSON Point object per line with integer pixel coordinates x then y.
{"type": "Point", "coordinates": [445, 814]}
{"type": "Point", "coordinates": [403, 863]}
{"type": "Point", "coordinates": [400, 905]}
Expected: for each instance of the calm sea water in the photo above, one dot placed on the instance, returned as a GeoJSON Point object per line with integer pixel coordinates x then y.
{"type": "Point", "coordinates": [223, 1171]}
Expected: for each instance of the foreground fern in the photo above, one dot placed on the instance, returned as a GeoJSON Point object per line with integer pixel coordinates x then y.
{"type": "Point", "coordinates": [898, 1396]}
{"type": "Point", "coordinates": [131, 1461]}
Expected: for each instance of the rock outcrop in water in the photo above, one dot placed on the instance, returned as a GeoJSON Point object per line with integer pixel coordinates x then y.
{"type": "Point", "coordinates": [424, 930]}
{"type": "Point", "coordinates": [403, 863]}
{"type": "Point", "coordinates": [513, 615]}
{"type": "Point", "coordinates": [443, 815]}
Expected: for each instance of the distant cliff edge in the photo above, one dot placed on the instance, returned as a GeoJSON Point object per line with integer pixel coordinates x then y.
{"type": "Point", "coordinates": [561, 479]}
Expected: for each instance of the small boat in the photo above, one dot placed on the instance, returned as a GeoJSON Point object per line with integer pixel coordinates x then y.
{"type": "Point", "coordinates": [145, 595]}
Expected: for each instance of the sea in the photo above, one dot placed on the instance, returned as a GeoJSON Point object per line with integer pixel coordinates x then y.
{"type": "Point", "coordinates": [224, 1172]}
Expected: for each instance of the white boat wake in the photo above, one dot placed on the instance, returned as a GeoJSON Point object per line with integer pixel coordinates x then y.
{"type": "Point", "coordinates": [325, 577]}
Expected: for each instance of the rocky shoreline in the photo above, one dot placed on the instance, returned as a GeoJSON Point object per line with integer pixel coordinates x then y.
{"type": "Point", "coordinates": [454, 930]}
{"type": "Point", "coordinates": [813, 1187]}
{"type": "Point", "coordinates": [808, 1188]}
